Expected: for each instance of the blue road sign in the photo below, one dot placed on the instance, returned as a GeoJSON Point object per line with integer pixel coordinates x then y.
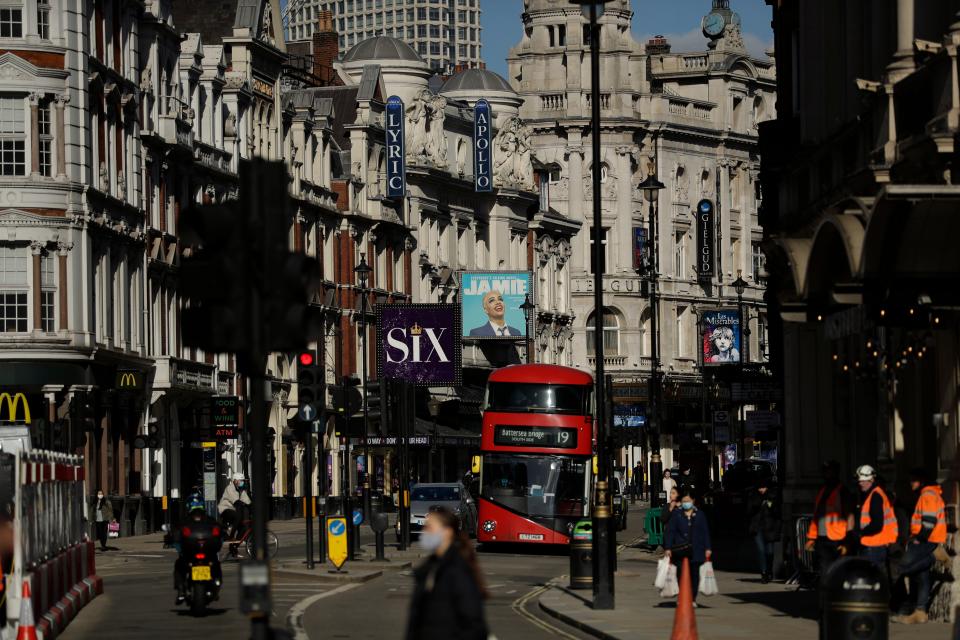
{"type": "Point", "coordinates": [337, 527]}
{"type": "Point", "coordinates": [358, 517]}
{"type": "Point", "coordinates": [308, 412]}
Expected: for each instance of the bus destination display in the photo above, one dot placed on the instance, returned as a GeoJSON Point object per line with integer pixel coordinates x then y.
{"type": "Point", "coordinates": [545, 437]}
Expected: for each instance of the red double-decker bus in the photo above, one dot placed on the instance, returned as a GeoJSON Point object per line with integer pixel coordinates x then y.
{"type": "Point", "coordinates": [537, 447]}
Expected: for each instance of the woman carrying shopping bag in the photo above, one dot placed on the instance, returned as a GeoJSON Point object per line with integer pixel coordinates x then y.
{"type": "Point", "coordinates": [688, 536]}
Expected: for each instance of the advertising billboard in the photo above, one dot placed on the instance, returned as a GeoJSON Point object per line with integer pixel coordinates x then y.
{"type": "Point", "coordinates": [720, 340]}
{"type": "Point", "coordinates": [481, 147]}
{"type": "Point", "coordinates": [419, 343]}
{"type": "Point", "coordinates": [491, 303]}
{"type": "Point", "coordinates": [396, 171]}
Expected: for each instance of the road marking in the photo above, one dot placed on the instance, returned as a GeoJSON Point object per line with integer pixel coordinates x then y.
{"type": "Point", "coordinates": [295, 615]}
{"type": "Point", "coordinates": [519, 607]}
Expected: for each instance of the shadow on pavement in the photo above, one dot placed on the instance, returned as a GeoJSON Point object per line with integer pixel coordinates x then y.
{"type": "Point", "coordinates": [209, 613]}
{"type": "Point", "coordinates": [524, 549]}
{"type": "Point", "coordinates": [796, 604]}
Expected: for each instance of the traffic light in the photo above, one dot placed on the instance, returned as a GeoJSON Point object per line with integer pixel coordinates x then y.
{"type": "Point", "coordinates": [245, 289]}
{"type": "Point", "coordinates": [215, 278]}
{"type": "Point", "coordinates": [374, 392]}
{"type": "Point", "coordinates": [310, 386]}
{"type": "Point", "coordinates": [289, 279]}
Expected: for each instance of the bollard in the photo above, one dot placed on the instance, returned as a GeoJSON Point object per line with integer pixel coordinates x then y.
{"type": "Point", "coordinates": [379, 523]}
{"type": "Point", "coordinates": [854, 601]}
{"type": "Point", "coordinates": [581, 555]}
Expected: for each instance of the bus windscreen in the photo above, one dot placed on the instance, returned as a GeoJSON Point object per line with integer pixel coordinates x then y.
{"type": "Point", "coordinates": [535, 485]}
{"type": "Point", "coordinates": [511, 397]}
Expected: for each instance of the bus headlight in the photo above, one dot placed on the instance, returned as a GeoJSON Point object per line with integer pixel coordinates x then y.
{"type": "Point", "coordinates": [489, 526]}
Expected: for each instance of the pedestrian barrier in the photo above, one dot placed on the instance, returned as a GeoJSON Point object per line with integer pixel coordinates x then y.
{"type": "Point", "coordinates": [653, 526]}
{"type": "Point", "coordinates": [53, 556]}
{"type": "Point", "coordinates": [805, 562]}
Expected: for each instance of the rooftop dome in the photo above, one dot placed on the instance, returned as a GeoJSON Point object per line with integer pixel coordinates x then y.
{"type": "Point", "coordinates": [476, 80]}
{"type": "Point", "coordinates": [381, 48]}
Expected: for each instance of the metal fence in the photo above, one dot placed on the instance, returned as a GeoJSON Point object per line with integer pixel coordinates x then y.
{"type": "Point", "coordinates": [49, 506]}
{"type": "Point", "coordinates": [804, 568]}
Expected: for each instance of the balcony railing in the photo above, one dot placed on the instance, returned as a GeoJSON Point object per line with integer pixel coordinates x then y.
{"type": "Point", "coordinates": [608, 361]}
{"type": "Point", "coordinates": [553, 102]}
{"type": "Point", "coordinates": [185, 374]}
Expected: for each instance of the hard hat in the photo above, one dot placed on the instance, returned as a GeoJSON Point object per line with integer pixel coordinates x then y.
{"type": "Point", "coordinates": [238, 476]}
{"type": "Point", "coordinates": [866, 472]}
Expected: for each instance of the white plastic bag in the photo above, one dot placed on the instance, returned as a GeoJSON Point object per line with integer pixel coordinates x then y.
{"type": "Point", "coordinates": [708, 580]}
{"type": "Point", "coordinates": [670, 586]}
{"type": "Point", "coordinates": [663, 567]}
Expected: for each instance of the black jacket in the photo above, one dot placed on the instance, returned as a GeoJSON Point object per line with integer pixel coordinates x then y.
{"type": "Point", "coordinates": [765, 515]}
{"type": "Point", "coordinates": [447, 604]}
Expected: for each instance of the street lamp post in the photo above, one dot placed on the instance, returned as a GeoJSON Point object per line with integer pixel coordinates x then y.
{"type": "Point", "coordinates": [603, 540]}
{"type": "Point", "coordinates": [362, 272]}
{"type": "Point", "coordinates": [528, 307]}
{"type": "Point", "coordinates": [651, 191]}
{"type": "Point", "coordinates": [740, 285]}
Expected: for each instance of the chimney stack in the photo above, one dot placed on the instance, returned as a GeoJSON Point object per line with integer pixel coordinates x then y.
{"type": "Point", "coordinates": [658, 45]}
{"type": "Point", "coordinates": [326, 48]}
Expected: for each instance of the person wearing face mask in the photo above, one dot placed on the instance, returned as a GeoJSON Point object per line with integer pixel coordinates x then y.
{"type": "Point", "coordinates": [449, 592]}
{"type": "Point", "coordinates": [688, 536]}
{"type": "Point", "coordinates": [234, 504]}
{"type": "Point", "coordinates": [103, 515]}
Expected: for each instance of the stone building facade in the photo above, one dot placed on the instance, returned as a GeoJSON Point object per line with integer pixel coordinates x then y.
{"type": "Point", "coordinates": [860, 211]}
{"type": "Point", "coordinates": [691, 120]}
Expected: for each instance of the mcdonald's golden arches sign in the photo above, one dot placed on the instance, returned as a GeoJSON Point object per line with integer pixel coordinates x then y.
{"type": "Point", "coordinates": [10, 408]}
{"type": "Point", "coordinates": [128, 379]}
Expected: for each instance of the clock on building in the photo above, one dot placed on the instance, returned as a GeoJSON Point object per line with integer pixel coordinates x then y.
{"type": "Point", "coordinates": [713, 24]}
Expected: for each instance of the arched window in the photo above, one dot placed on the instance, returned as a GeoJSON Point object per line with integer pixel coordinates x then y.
{"type": "Point", "coordinates": [611, 333]}
{"type": "Point", "coordinates": [604, 172]}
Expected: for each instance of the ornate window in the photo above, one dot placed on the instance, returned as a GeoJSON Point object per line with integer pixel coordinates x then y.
{"type": "Point", "coordinates": [11, 22]}
{"type": "Point", "coordinates": [13, 138]}
{"type": "Point", "coordinates": [48, 293]}
{"type": "Point", "coordinates": [13, 289]}
{"type": "Point", "coordinates": [611, 333]}
{"type": "Point", "coordinates": [46, 138]}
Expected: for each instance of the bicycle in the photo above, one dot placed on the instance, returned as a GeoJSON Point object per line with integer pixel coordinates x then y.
{"type": "Point", "coordinates": [231, 548]}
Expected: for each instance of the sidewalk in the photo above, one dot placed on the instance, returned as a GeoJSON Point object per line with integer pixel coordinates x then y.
{"type": "Point", "coordinates": [745, 608]}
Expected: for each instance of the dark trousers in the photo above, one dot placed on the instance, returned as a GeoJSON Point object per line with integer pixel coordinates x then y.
{"type": "Point", "coordinates": [764, 554]}
{"type": "Point", "coordinates": [101, 531]}
{"type": "Point", "coordinates": [876, 555]}
{"type": "Point", "coordinates": [915, 566]}
{"type": "Point", "coordinates": [825, 553]}
{"type": "Point", "coordinates": [677, 559]}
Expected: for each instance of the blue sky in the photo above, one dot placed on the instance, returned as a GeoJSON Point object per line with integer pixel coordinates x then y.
{"type": "Point", "coordinates": [679, 20]}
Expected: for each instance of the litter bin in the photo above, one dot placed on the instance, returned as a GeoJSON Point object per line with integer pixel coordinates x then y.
{"type": "Point", "coordinates": [854, 602]}
{"type": "Point", "coordinates": [581, 555]}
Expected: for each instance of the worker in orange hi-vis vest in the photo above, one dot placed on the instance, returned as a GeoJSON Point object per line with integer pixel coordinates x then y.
{"type": "Point", "coordinates": [877, 524]}
{"type": "Point", "coordinates": [832, 522]}
{"type": "Point", "coordinates": [928, 528]}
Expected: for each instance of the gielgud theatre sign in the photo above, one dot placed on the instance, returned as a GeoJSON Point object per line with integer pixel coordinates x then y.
{"type": "Point", "coordinates": [612, 285]}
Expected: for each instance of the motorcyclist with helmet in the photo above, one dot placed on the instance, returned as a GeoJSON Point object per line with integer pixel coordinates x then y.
{"type": "Point", "coordinates": [199, 533]}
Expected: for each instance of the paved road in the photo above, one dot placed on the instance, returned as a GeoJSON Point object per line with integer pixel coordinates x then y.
{"type": "Point", "coordinates": [377, 610]}
{"type": "Point", "coordinates": [138, 598]}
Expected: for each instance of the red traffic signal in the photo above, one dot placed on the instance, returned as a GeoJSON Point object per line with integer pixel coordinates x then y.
{"type": "Point", "coordinates": [306, 359]}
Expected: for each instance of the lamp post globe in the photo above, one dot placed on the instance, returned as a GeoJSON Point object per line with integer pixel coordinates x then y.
{"type": "Point", "coordinates": [650, 187]}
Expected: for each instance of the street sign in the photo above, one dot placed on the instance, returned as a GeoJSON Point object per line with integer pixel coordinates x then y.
{"type": "Point", "coordinates": [225, 416]}
{"type": "Point", "coordinates": [721, 426]}
{"type": "Point", "coordinates": [357, 517]}
{"type": "Point", "coordinates": [308, 412]}
{"type": "Point", "coordinates": [337, 540]}
{"type": "Point", "coordinates": [762, 420]}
